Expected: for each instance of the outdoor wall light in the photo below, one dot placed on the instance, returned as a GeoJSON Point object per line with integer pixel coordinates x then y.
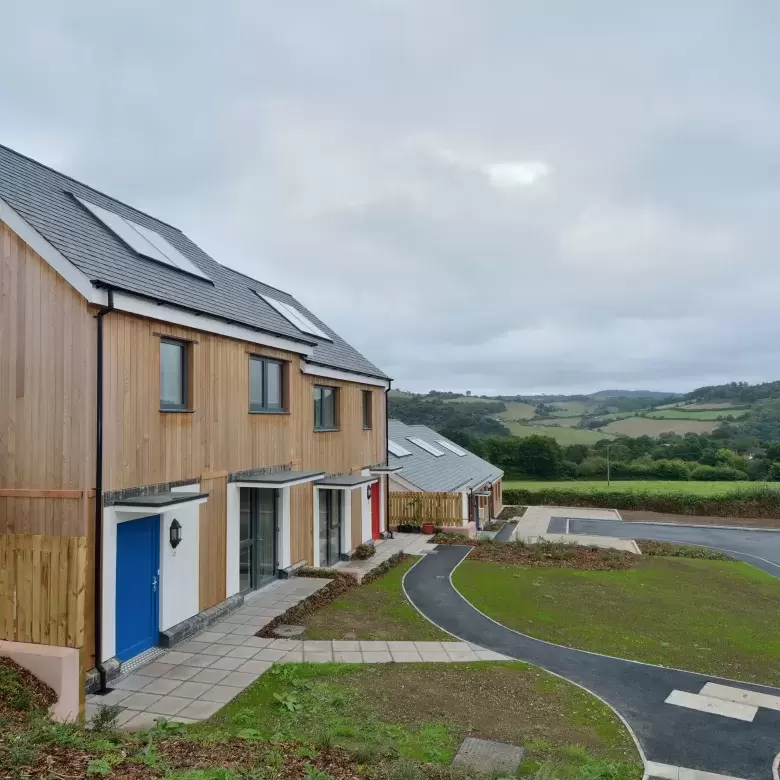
{"type": "Point", "coordinates": [175, 532]}
{"type": "Point", "coordinates": [368, 492]}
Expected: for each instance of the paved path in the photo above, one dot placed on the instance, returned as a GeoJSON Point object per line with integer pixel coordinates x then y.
{"type": "Point", "coordinates": [668, 734]}
{"type": "Point", "coordinates": [759, 548]}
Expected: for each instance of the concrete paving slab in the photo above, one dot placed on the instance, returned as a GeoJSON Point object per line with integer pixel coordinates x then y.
{"type": "Point", "coordinates": [228, 664]}
{"type": "Point", "coordinates": [220, 693]}
{"type": "Point", "coordinates": [192, 690]}
{"type": "Point", "coordinates": [486, 756]}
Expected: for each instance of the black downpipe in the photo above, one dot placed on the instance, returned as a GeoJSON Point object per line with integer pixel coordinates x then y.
{"type": "Point", "coordinates": [387, 463]}
{"type": "Point", "coordinates": [99, 493]}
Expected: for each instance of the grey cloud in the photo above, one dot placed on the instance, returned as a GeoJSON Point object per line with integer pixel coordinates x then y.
{"type": "Point", "coordinates": [342, 151]}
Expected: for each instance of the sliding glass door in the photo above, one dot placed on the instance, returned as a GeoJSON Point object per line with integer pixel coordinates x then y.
{"type": "Point", "coordinates": [330, 526]}
{"type": "Point", "coordinates": [257, 561]}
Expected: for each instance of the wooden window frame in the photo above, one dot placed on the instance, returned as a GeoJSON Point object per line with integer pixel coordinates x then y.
{"type": "Point", "coordinates": [186, 377]}
{"type": "Point", "coordinates": [336, 404]}
{"type": "Point", "coordinates": [368, 409]}
{"type": "Point", "coordinates": [283, 366]}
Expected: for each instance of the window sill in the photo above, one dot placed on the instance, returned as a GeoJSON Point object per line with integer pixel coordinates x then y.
{"type": "Point", "coordinates": [269, 411]}
{"type": "Point", "coordinates": [326, 430]}
{"type": "Point", "coordinates": [367, 428]}
{"type": "Point", "coordinates": [177, 411]}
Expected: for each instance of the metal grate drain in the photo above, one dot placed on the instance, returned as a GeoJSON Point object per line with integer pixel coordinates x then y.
{"type": "Point", "coordinates": [134, 664]}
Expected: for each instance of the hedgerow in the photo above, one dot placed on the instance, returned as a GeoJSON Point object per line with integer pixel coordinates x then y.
{"type": "Point", "coordinates": [756, 502]}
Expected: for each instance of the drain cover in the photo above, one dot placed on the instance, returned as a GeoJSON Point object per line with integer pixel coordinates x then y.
{"type": "Point", "coordinates": [484, 755]}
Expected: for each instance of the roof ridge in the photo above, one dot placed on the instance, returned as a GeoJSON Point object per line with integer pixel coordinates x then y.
{"type": "Point", "coordinates": [89, 187]}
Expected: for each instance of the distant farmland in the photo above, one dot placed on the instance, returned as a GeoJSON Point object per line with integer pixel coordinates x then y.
{"type": "Point", "coordinates": [696, 414]}
{"type": "Point", "coordinates": [647, 426]}
{"type": "Point", "coordinates": [563, 436]}
{"type": "Point", "coordinates": [515, 410]}
{"type": "Point", "coordinates": [565, 422]}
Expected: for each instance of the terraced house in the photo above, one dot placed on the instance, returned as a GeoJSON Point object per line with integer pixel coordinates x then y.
{"type": "Point", "coordinates": [173, 434]}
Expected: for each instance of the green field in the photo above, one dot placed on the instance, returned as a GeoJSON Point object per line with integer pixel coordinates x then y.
{"type": "Point", "coordinates": [682, 414]}
{"type": "Point", "coordinates": [714, 617]}
{"type": "Point", "coordinates": [646, 426]}
{"type": "Point", "coordinates": [563, 436]}
{"type": "Point", "coordinates": [642, 486]}
{"type": "Point", "coordinates": [515, 410]}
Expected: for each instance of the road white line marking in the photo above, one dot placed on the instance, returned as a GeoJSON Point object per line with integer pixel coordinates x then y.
{"type": "Point", "coordinates": [567, 524]}
{"type": "Point", "coordinates": [776, 768]}
{"type": "Point", "coordinates": [669, 772]}
{"type": "Point", "coordinates": [741, 696]}
{"type": "Point", "coordinates": [695, 701]}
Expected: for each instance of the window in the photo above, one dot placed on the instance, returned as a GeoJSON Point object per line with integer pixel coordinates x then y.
{"type": "Point", "coordinates": [452, 448]}
{"type": "Point", "coordinates": [143, 241]}
{"type": "Point", "coordinates": [295, 317]}
{"type": "Point", "coordinates": [266, 385]}
{"type": "Point", "coordinates": [326, 416]}
{"type": "Point", "coordinates": [423, 445]}
{"type": "Point", "coordinates": [397, 449]}
{"type": "Point", "coordinates": [173, 375]}
{"type": "Point", "coordinates": [368, 408]}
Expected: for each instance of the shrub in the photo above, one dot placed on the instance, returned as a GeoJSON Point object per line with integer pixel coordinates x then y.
{"type": "Point", "coordinates": [364, 551]}
{"type": "Point", "coordinates": [754, 502]}
{"type": "Point", "coordinates": [718, 474]}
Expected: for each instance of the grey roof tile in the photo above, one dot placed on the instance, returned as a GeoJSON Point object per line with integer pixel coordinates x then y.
{"type": "Point", "coordinates": [433, 474]}
{"type": "Point", "coordinates": [44, 198]}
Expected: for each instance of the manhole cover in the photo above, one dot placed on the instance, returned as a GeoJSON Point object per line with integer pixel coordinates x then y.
{"type": "Point", "coordinates": [289, 632]}
{"type": "Point", "coordinates": [483, 755]}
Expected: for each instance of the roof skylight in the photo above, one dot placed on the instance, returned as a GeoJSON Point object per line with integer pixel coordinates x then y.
{"type": "Point", "coordinates": [397, 449]}
{"type": "Point", "coordinates": [295, 317]}
{"type": "Point", "coordinates": [451, 447]}
{"type": "Point", "coordinates": [423, 445]}
{"type": "Point", "coordinates": [143, 241]}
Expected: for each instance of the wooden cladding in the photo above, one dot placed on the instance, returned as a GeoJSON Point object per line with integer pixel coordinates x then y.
{"type": "Point", "coordinates": [43, 589]}
{"type": "Point", "coordinates": [212, 540]}
{"type": "Point", "coordinates": [47, 379]}
{"type": "Point", "coordinates": [417, 508]}
{"type": "Point", "coordinates": [145, 446]}
{"type": "Point", "coordinates": [302, 523]}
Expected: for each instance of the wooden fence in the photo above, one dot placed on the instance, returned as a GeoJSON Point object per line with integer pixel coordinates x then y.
{"type": "Point", "coordinates": [43, 589]}
{"type": "Point", "coordinates": [417, 508]}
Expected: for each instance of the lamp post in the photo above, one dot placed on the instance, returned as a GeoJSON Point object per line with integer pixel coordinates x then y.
{"type": "Point", "coordinates": [608, 465]}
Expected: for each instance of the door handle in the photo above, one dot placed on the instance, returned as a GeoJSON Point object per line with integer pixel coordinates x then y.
{"type": "Point", "coordinates": [154, 584]}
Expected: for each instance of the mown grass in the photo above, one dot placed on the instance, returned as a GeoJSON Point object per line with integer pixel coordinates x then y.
{"type": "Point", "coordinates": [421, 712]}
{"type": "Point", "coordinates": [642, 486]}
{"type": "Point", "coordinates": [378, 610]}
{"type": "Point", "coordinates": [706, 616]}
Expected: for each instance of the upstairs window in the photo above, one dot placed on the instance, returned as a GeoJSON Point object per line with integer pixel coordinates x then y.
{"type": "Point", "coordinates": [174, 390]}
{"type": "Point", "coordinates": [368, 408]}
{"type": "Point", "coordinates": [326, 416]}
{"type": "Point", "coordinates": [266, 385]}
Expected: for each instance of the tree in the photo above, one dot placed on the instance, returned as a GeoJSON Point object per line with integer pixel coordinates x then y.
{"type": "Point", "coordinates": [576, 453]}
{"type": "Point", "coordinates": [773, 475]}
{"type": "Point", "coordinates": [541, 456]}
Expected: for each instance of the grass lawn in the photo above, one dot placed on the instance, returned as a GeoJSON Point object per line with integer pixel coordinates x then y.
{"type": "Point", "coordinates": [696, 414]}
{"type": "Point", "coordinates": [563, 436]}
{"type": "Point", "coordinates": [421, 712]}
{"type": "Point", "coordinates": [641, 486]}
{"type": "Point", "coordinates": [647, 426]}
{"type": "Point", "coordinates": [712, 617]}
{"type": "Point", "coordinates": [378, 610]}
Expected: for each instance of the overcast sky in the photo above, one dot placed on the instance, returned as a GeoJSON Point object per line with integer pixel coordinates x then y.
{"type": "Point", "coordinates": [493, 195]}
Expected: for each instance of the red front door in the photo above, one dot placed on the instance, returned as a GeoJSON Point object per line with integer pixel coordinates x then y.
{"type": "Point", "coordinates": [375, 488]}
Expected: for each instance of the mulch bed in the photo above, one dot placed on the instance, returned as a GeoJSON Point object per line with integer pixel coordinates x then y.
{"type": "Point", "coordinates": [22, 693]}
{"type": "Point", "coordinates": [512, 510]}
{"type": "Point", "coordinates": [338, 586]}
{"type": "Point", "coordinates": [65, 762]}
{"type": "Point", "coordinates": [543, 555]}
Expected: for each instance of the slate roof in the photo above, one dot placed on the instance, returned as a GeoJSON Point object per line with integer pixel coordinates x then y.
{"type": "Point", "coordinates": [44, 198]}
{"type": "Point", "coordinates": [437, 474]}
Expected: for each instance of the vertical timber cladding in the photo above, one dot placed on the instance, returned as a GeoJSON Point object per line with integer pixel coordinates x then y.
{"type": "Point", "coordinates": [301, 523]}
{"type": "Point", "coordinates": [145, 446]}
{"type": "Point", "coordinates": [212, 536]}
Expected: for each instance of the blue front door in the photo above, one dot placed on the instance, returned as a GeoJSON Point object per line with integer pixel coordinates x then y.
{"type": "Point", "coordinates": [137, 574]}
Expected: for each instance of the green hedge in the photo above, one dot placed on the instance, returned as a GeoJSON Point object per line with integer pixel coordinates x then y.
{"type": "Point", "coordinates": [742, 502]}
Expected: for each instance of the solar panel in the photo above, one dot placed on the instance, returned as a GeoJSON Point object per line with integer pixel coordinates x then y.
{"type": "Point", "coordinates": [296, 318]}
{"type": "Point", "coordinates": [143, 241]}
{"type": "Point", "coordinates": [423, 445]}
{"type": "Point", "coordinates": [397, 449]}
{"type": "Point", "coordinates": [451, 448]}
